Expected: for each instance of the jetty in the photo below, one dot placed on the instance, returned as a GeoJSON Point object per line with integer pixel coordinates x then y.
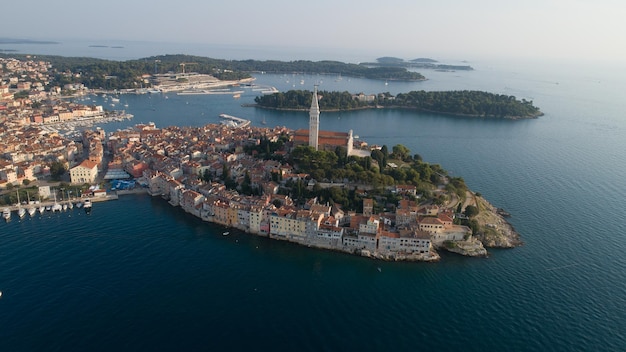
{"type": "Point", "coordinates": [234, 121]}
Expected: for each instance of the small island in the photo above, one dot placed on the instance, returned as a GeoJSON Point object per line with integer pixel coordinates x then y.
{"type": "Point", "coordinates": [459, 103]}
{"type": "Point", "coordinates": [423, 63]}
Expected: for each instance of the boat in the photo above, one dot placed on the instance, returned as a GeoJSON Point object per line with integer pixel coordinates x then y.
{"type": "Point", "coordinates": [87, 205]}
{"type": "Point", "coordinates": [6, 214]}
{"type": "Point", "coordinates": [79, 205]}
{"type": "Point", "coordinates": [56, 206]}
{"type": "Point", "coordinates": [32, 211]}
{"type": "Point", "coordinates": [263, 122]}
{"type": "Point", "coordinates": [41, 209]}
{"type": "Point", "coordinates": [21, 212]}
{"type": "Point", "coordinates": [64, 206]}
{"type": "Point", "coordinates": [225, 233]}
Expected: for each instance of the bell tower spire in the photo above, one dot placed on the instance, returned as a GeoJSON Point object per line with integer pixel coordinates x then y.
{"type": "Point", "coordinates": [314, 121]}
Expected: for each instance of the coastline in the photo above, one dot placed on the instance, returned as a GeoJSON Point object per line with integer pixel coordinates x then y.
{"type": "Point", "coordinates": [404, 108]}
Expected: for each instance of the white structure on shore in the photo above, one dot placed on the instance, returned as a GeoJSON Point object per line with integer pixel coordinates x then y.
{"type": "Point", "coordinates": [314, 120]}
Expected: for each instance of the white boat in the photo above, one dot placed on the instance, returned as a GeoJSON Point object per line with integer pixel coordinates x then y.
{"type": "Point", "coordinates": [64, 206]}
{"type": "Point", "coordinates": [6, 214]}
{"type": "Point", "coordinates": [21, 212]}
{"type": "Point", "coordinates": [225, 233]}
{"type": "Point", "coordinates": [41, 209]}
{"type": "Point", "coordinates": [32, 211]}
{"type": "Point", "coordinates": [87, 205]}
{"type": "Point", "coordinates": [70, 205]}
{"type": "Point", "coordinates": [79, 205]}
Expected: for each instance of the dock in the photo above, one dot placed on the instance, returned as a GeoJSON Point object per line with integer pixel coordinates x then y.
{"type": "Point", "coordinates": [234, 121]}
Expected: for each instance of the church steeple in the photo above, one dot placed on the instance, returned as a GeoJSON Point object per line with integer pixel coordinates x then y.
{"type": "Point", "coordinates": [314, 120]}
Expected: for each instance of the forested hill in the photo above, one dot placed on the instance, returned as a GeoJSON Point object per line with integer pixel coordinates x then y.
{"type": "Point", "coordinates": [108, 74]}
{"type": "Point", "coordinates": [465, 103]}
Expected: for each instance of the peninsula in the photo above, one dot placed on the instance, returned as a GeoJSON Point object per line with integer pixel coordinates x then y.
{"type": "Point", "coordinates": [312, 187]}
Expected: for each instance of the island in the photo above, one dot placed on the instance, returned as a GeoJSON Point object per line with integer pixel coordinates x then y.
{"type": "Point", "coordinates": [459, 103]}
{"type": "Point", "coordinates": [422, 63]}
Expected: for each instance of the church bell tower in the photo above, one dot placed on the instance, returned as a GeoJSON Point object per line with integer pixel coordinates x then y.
{"type": "Point", "coordinates": [314, 121]}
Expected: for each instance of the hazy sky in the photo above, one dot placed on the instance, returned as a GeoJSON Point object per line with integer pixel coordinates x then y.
{"type": "Point", "coordinates": [586, 29]}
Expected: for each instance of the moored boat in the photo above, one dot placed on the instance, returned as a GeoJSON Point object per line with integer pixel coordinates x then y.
{"type": "Point", "coordinates": [87, 205]}
{"type": "Point", "coordinates": [6, 214]}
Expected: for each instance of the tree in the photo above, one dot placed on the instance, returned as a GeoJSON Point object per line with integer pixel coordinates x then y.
{"type": "Point", "coordinates": [401, 152]}
{"type": "Point", "coordinates": [378, 156]}
{"type": "Point", "coordinates": [471, 211]}
{"type": "Point", "coordinates": [57, 169]}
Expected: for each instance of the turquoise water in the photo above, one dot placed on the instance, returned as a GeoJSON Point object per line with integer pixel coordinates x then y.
{"type": "Point", "coordinates": [137, 274]}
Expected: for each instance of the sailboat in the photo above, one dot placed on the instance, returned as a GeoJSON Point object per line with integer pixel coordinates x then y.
{"type": "Point", "coordinates": [263, 122]}
{"type": "Point", "coordinates": [70, 205]}
{"type": "Point", "coordinates": [56, 206]}
{"type": "Point", "coordinates": [21, 212]}
{"type": "Point", "coordinates": [31, 209]}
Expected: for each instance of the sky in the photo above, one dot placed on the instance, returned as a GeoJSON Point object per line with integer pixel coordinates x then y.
{"type": "Point", "coordinates": [456, 29]}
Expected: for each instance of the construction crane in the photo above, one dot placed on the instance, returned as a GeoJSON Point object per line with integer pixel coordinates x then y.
{"type": "Point", "coordinates": [186, 63]}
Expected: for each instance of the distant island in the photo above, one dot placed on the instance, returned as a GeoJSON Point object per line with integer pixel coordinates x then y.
{"type": "Point", "coordinates": [460, 103]}
{"type": "Point", "coordinates": [426, 63]}
{"type": "Point", "coordinates": [24, 41]}
{"type": "Point", "coordinates": [105, 46]}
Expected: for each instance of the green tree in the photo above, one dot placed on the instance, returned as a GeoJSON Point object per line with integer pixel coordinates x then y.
{"type": "Point", "coordinates": [401, 152]}
{"type": "Point", "coordinates": [57, 169]}
{"type": "Point", "coordinates": [471, 211]}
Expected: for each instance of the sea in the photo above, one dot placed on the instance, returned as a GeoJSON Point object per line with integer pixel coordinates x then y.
{"type": "Point", "coordinates": [139, 275]}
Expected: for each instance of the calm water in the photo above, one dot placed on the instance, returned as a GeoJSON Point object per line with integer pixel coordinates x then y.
{"type": "Point", "coordinates": [137, 274]}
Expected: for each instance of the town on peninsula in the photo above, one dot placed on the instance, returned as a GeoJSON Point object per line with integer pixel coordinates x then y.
{"type": "Point", "coordinates": [317, 188]}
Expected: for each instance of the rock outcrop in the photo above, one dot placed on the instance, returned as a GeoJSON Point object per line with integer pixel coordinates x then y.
{"type": "Point", "coordinates": [495, 231]}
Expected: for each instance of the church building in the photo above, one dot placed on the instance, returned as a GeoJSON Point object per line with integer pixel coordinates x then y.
{"type": "Point", "coordinates": [322, 140]}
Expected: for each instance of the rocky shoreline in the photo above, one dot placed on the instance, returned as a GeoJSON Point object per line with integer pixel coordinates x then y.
{"type": "Point", "coordinates": [495, 231]}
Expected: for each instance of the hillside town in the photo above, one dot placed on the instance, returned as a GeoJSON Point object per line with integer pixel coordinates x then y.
{"type": "Point", "coordinates": [189, 167]}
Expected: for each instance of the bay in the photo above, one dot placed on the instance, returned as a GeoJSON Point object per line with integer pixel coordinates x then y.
{"type": "Point", "coordinates": [138, 274]}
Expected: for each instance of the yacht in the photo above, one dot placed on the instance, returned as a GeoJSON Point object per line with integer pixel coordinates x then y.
{"type": "Point", "coordinates": [21, 212]}
{"type": "Point", "coordinates": [87, 205]}
{"type": "Point", "coordinates": [56, 206]}
{"type": "Point", "coordinates": [6, 214]}
{"type": "Point", "coordinates": [32, 211]}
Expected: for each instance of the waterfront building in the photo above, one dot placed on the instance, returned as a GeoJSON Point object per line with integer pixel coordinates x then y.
{"type": "Point", "coordinates": [86, 172]}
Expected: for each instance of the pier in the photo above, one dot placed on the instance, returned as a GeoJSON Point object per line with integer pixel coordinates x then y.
{"type": "Point", "coordinates": [234, 121]}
